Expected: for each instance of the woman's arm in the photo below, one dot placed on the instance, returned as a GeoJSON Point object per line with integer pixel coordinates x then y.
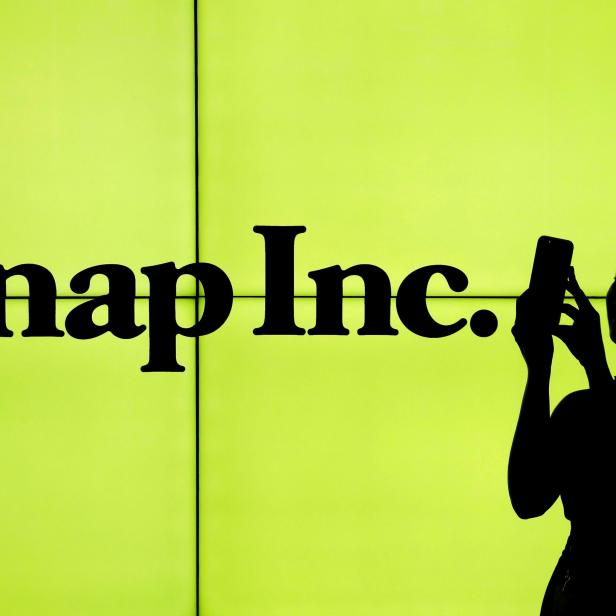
{"type": "Point", "coordinates": [532, 484]}
{"type": "Point", "coordinates": [531, 479]}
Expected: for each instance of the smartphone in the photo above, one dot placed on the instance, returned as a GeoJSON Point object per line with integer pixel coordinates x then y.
{"type": "Point", "coordinates": [548, 278]}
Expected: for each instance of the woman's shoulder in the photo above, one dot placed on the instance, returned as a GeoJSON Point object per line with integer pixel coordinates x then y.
{"type": "Point", "coordinates": [582, 400]}
{"type": "Point", "coordinates": [571, 403]}
{"type": "Point", "coordinates": [575, 398]}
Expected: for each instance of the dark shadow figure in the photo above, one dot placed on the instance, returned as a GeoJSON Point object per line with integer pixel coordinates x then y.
{"type": "Point", "coordinates": [570, 453]}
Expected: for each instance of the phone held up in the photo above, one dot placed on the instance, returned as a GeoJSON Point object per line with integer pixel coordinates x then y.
{"type": "Point", "coordinates": [548, 278]}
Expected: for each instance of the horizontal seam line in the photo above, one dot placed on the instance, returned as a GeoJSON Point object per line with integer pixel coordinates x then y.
{"type": "Point", "coordinates": [192, 297]}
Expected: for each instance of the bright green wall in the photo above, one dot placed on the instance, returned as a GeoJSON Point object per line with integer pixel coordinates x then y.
{"type": "Point", "coordinates": [404, 133]}
{"type": "Point", "coordinates": [347, 476]}
{"type": "Point", "coordinates": [96, 476]}
{"type": "Point", "coordinates": [367, 475]}
{"type": "Point", "coordinates": [96, 118]}
{"type": "Point", "coordinates": [401, 134]}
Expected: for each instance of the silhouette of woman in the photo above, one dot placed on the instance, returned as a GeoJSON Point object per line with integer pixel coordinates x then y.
{"type": "Point", "coordinates": [571, 454]}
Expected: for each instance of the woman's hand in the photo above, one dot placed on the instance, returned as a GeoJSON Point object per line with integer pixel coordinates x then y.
{"type": "Point", "coordinates": [533, 337]}
{"type": "Point", "coordinates": [583, 338]}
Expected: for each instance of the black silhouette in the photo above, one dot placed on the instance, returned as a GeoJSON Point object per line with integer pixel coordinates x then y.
{"type": "Point", "coordinates": [571, 454]}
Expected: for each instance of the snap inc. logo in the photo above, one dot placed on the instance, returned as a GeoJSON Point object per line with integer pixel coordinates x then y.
{"type": "Point", "coordinates": [279, 317]}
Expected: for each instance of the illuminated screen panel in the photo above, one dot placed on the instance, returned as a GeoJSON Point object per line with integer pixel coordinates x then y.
{"type": "Point", "coordinates": [367, 475]}
{"type": "Point", "coordinates": [340, 475]}
{"type": "Point", "coordinates": [97, 476]}
{"type": "Point", "coordinates": [96, 117]}
{"type": "Point", "coordinates": [408, 133]}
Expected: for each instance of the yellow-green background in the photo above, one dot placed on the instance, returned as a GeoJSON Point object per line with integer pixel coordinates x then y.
{"type": "Point", "coordinates": [340, 476]}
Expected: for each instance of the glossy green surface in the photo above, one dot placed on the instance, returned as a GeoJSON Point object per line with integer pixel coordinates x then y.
{"type": "Point", "coordinates": [96, 117]}
{"type": "Point", "coordinates": [96, 475]}
{"type": "Point", "coordinates": [367, 475]}
{"type": "Point", "coordinates": [405, 133]}
{"type": "Point", "coordinates": [341, 476]}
